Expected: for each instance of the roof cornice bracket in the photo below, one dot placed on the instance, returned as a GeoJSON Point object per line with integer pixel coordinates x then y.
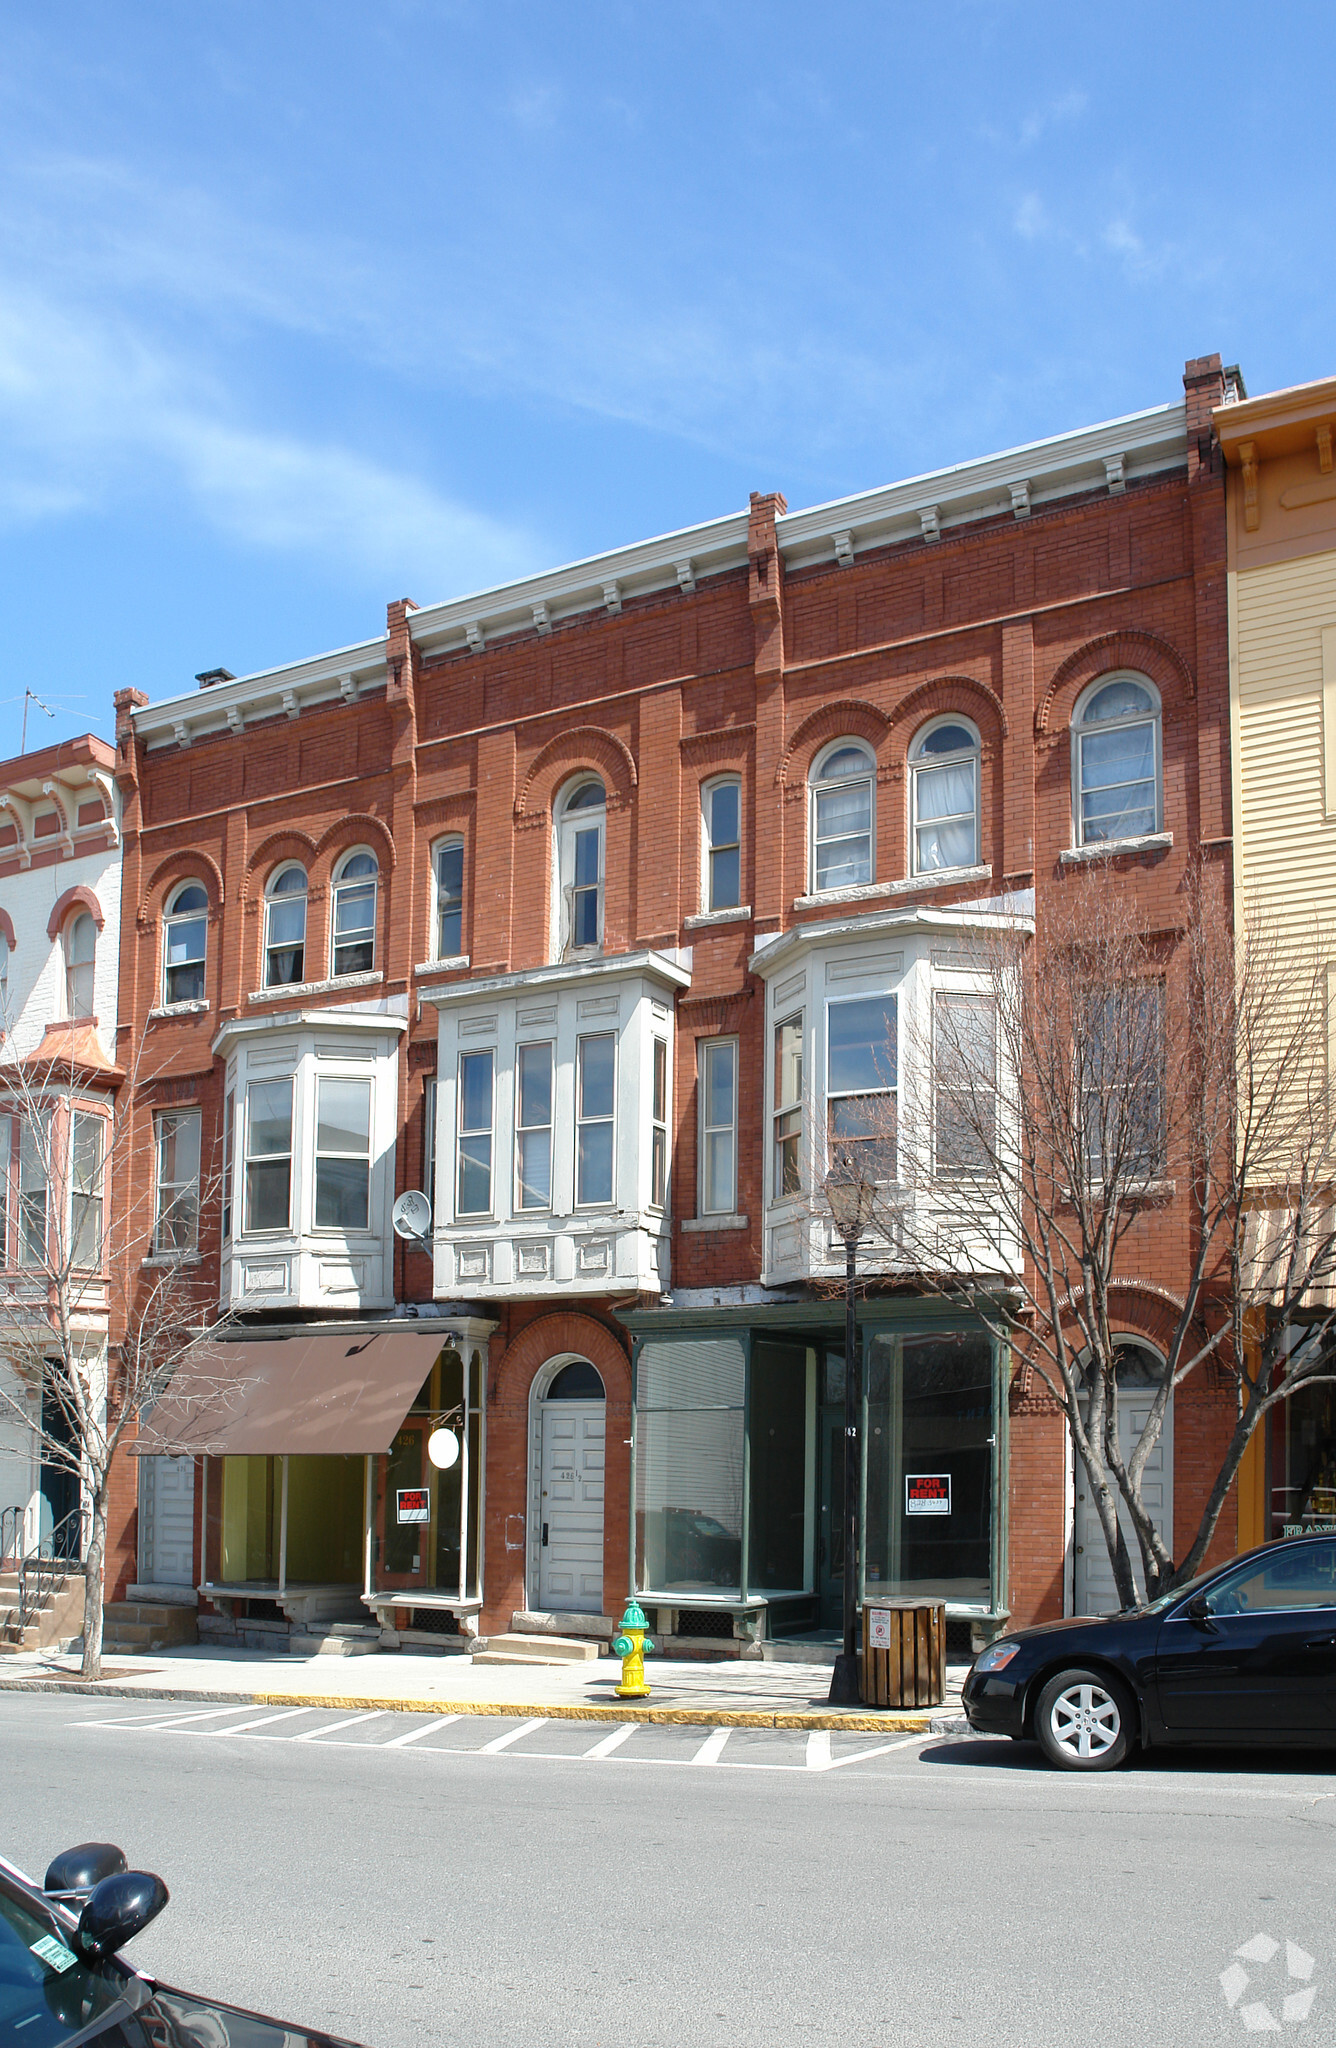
{"type": "Point", "coordinates": [844, 549]}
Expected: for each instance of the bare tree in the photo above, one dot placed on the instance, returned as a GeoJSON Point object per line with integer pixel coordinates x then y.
{"type": "Point", "coordinates": [1073, 1084]}
{"type": "Point", "coordinates": [104, 1250]}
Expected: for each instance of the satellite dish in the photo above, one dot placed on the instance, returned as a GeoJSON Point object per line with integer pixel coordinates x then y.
{"type": "Point", "coordinates": [411, 1215]}
{"type": "Point", "coordinates": [443, 1449]}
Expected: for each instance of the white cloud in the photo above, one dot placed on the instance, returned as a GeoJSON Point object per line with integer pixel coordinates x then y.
{"type": "Point", "coordinates": [1059, 113]}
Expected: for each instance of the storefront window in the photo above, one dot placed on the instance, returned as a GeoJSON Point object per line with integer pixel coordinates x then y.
{"type": "Point", "coordinates": [1303, 1463]}
{"type": "Point", "coordinates": [426, 1542]}
{"type": "Point", "coordinates": [690, 1397]}
{"type": "Point", "coordinates": [929, 1434]}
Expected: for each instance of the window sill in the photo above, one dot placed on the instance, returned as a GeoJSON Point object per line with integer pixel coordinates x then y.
{"type": "Point", "coordinates": [740, 915]}
{"type": "Point", "coordinates": [299, 990]}
{"type": "Point", "coordinates": [861, 892]}
{"type": "Point", "coordinates": [191, 1009]}
{"type": "Point", "coordinates": [453, 964]}
{"type": "Point", "coordinates": [1104, 849]}
{"type": "Point", "coordinates": [942, 878]}
{"type": "Point", "coordinates": [166, 1260]}
{"type": "Point", "coordinates": [691, 1224]}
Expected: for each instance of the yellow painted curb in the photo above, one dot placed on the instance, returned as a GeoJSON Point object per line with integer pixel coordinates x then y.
{"type": "Point", "coordinates": [691, 1717]}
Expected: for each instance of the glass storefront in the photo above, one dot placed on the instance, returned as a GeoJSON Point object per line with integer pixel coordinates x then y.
{"type": "Point", "coordinates": [426, 1531]}
{"type": "Point", "coordinates": [1303, 1462]}
{"type": "Point", "coordinates": [739, 1469]}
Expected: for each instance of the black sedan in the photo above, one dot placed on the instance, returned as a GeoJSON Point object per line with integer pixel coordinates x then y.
{"type": "Point", "coordinates": [62, 1982]}
{"type": "Point", "coordinates": [1244, 1654]}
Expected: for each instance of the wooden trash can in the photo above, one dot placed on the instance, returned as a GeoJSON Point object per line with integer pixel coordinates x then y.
{"type": "Point", "coordinates": [904, 1653]}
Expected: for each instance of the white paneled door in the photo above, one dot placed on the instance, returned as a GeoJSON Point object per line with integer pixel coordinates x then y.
{"type": "Point", "coordinates": [1093, 1578]}
{"type": "Point", "coordinates": [167, 1521]}
{"type": "Point", "coordinates": [570, 1569]}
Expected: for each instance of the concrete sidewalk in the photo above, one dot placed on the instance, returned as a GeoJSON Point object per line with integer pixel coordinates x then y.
{"type": "Point", "coordinates": [727, 1694]}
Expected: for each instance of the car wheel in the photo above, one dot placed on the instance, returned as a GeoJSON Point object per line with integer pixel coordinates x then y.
{"type": "Point", "coordinates": [1085, 1721]}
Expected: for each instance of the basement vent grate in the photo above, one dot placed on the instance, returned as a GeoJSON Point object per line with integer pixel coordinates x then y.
{"type": "Point", "coordinates": [703, 1621]}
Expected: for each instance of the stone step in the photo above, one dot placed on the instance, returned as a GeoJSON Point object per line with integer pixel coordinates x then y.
{"type": "Point", "coordinates": [531, 1663]}
{"type": "Point", "coordinates": [334, 1645]}
{"type": "Point", "coordinates": [598, 1628]}
{"type": "Point", "coordinates": [544, 1649]}
{"type": "Point", "coordinates": [127, 1613]}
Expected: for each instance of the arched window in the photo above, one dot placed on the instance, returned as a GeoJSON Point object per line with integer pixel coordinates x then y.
{"type": "Point", "coordinates": [185, 929]}
{"type": "Point", "coordinates": [80, 955]}
{"type": "Point", "coordinates": [581, 840]}
{"type": "Point", "coordinates": [944, 796]}
{"type": "Point", "coordinates": [843, 778]}
{"type": "Point", "coordinates": [721, 814]}
{"type": "Point", "coordinates": [578, 1381]}
{"type": "Point", "coordinates": [285, 928]}
{"type": "Point", "coordinates": [1116, 759]}
{"type": "Point", "coordinates": [448, 872]}
{"type": "Point", "coordinates": [354, 929]}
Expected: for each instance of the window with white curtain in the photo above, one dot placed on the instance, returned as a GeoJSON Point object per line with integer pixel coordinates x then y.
{"type": "Point", "coordinates": [944, 796]}
{"type": "Point", "coordinates": [1116, 761]}
{"type": "Point", "coordinates": [354, 924]}
{"type": "Point", "coordinates": [285, 928]}
{"type": "Point", "coordinates": [842, 816]}
{"type": "Point", "coordinates": [184, 933]}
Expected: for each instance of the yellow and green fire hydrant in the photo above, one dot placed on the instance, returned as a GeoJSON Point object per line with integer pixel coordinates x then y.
{"type": "Point", "coordinates": [631, 1646]}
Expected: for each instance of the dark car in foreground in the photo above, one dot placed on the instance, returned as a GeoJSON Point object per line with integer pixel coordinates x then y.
{"type": "Point", "coordinates": [62, 1981]}
{"type": "Point", "coordinates": [1245, 1654]}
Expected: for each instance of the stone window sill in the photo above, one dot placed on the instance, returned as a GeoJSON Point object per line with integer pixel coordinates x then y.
{"type": "Point", "coordinates": [1105, 849]}
{"type": "Point", "coordinates": [740, 915]}
{"type": "Point", "coordinates": [690, 1224]}
{"type": "Point", "coordinates": [191, 1009]}
{"type": "Point", "coordinates": [299, 990]}
{"type": "Point", "coordinates": [452, 964]}
{"type": "Point", "coordinates": [942, 878]}
{"type": "Point", "coordinates": [166, 1260]}
{"type": "Point", "coordinates": [862, 892]}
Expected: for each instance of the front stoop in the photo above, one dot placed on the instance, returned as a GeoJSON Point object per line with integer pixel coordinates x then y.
{"type": "Point", "coordinates": [536, 1649]}
{"type": "Point", "coordinates": [133, 1628]}
{"type": "Point", "coordinates": [57, 1619]}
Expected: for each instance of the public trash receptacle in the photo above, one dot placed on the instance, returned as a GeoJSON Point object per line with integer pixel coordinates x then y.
{"type": "Point", "coordinates": [904, 1653]}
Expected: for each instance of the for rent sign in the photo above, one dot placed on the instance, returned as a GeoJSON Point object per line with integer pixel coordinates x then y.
{"type": "Point", "coordinates": [927, 1493]}
{"type": "Point", "coordinates": [414, 1504]}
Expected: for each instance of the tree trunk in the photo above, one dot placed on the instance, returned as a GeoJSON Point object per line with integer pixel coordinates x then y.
{"type": "Point", "coordinates": [94, 1577]}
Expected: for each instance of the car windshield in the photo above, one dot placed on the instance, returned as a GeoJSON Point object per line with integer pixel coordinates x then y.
{"type": "Point", "coordinates": [46, 1994]}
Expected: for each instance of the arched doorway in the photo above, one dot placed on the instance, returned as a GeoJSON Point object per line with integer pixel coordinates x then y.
{"type": "Point", "coordinates": [568, 1407]}
{"type": "Point", "coordinates": [1140, 1369]}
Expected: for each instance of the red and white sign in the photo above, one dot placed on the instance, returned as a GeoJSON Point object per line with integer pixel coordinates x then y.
{"type": "Point", "coordinates": [414, 1504]}
{"type": "Point", "coordinates": [927, 1493]}
{"type": "Point", "coordinates": [878, 1628]}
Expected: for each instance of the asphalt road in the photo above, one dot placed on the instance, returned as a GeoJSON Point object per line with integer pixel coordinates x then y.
{"type": "Point", "coordinates": [492, 1883]}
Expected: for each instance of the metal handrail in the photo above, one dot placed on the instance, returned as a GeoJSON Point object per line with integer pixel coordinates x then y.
{"type": "Point", "coordinates": [11, 1534]}
{"type": "Point", "coordinates": [61, 1548]}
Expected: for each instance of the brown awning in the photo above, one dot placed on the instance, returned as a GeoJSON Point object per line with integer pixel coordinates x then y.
{"type": "Point", "coordinates": [332, 1393]}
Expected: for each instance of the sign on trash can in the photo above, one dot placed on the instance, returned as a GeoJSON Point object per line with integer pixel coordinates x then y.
{"type": "Point", "coordinates": [904, 1653]}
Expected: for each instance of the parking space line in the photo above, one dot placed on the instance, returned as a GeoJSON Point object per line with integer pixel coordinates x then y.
{"type": "Point", "coordinates": [861, 1756]}
{"type": "Point", "coordinates": [500, 1742]}
{"type": "Point", "coordinates": [608, 1743]}
{"type": "Point", "coordinates": [711, 1749]}
{"type": "Point", "coordinates": [818, 1750]}
{"type": "Point", "coordinates": [333, 1727]}
{"type": "Point", "coordinates": [261, 1721]}
{"type": "Point", "coordinates": [151, 1721]}
{"type": "Point", "coordinates": [416, 1734]}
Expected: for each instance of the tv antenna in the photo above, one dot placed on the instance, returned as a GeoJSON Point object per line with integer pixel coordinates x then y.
{"type": "Point", "coordinates": [31, 697]}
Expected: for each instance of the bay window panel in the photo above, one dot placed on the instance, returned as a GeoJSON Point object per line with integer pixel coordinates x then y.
{"type": "Point", "coordinates": [474, 1184]}
{"type": "Point", "coordinates": [965, 1083]}
{"type": "Point", "coordinates": [533, 1138]}
{"type": "Point", "coordinates": [86, 1189]}
{"type": "Point", "coordinates": [659, 1126]}
{"type": "Point", "coordinates": [596, 1090]}
{"type": "Point", "coordinates": [32, 1197]}
{"type": "Point", "coordinates": [788, 1106]}
{"type": "Point", "coordinates": [342, 1154]}
{"type": "Point", "coordinates": [861, 1074]}
{"type": "Point", "coordinates": [268, 1155]}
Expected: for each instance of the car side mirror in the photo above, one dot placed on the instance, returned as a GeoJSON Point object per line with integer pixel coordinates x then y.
{"type": "Point", "coordinates": [74, 1872]}
{"type": "Point", "coordinates": [120, 1907]}
{"type": "Point", "coordinates": [1199, 1609]}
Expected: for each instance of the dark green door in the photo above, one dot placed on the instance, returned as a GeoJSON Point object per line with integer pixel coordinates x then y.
{"type": "Point", "coordinates": [830, 1523]}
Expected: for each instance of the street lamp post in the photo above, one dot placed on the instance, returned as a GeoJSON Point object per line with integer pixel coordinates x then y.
{"type": "Point", "coordinates": [851, 1197]}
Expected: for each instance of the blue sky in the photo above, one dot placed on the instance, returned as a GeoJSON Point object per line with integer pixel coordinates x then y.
{"type": "Point", "coordinates": [309, 305]}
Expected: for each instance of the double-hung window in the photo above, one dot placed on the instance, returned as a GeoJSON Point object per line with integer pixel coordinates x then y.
{"type": "Point", "coordinates": [944, 796]}
{"type": "Point", "coordinates": [474, 1185]}
{"type": "Point", "coordinates": [354, 933]}
{"type": "Point", "coordinates": [1120, 1074]}
{"type": "Point", "coordinates": [843, 780]}
{"type": "Point", "coordinates": [718, 1070]}
{"type": "Point", "coordinates": [342, 1154]}
{"type": "Point", "coordinates": [87, 1137]}
{"type": "Point", "coordinates": [450, 899]}
{"type": "Point", "coordinates": [269, 1155]}
{"type": "Point", "coordinates": [285, 928]}
{"type": "Point", "coordinates": [1116, 761]}
{"type": "Point", "coordinates": [721, 804]}
{"type": "Point", "coordinates": [533, 1126]}
{"type": "Point", "coordinates": [80, 963]}
{"type": "Point", "coordinates": [861, 1077]}
{"type": "Point", "coordinates": [596, 1085]}
{"type": "Point", "coordinates": [176, 1219]}
{"type": "Point", "coordinates": [789, 1106]}
{"type": "Point", "coordinates": [184, 933]}
{"type": "Point", "coordinates": [581, 838]}
{"type": "Point", "coordinates": [32, 1194]}
{"type": "Point", "coordinates": [658, 1143]}
{"type": "Point", "coordinates": [964, 1083]}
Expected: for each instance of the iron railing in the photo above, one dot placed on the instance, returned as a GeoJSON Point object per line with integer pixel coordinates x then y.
{"type": "Point", "coordinates": [58, 1552]}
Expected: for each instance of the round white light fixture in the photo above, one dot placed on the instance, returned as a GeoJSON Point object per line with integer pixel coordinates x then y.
{"type": "Point", "coordinates": [443, 1449]}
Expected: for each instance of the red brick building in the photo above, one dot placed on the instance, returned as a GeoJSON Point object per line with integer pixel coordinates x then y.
{"type": "Point", "coordinates": [583, 906]}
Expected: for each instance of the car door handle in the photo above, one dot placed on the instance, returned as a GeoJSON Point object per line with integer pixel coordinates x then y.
{"type": "Point", "coordinates": [1321, 1643]}
{"type": "Point", "coordinates": [545, 1535]}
